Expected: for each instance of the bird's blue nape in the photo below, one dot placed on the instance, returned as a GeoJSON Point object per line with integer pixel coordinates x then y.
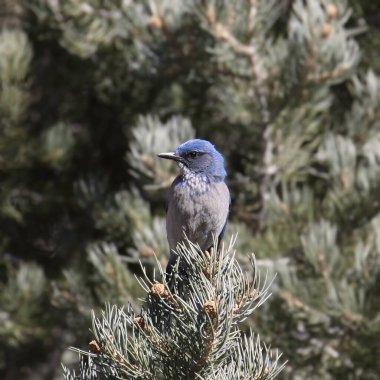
{"type": "Point", "coordinates": [200, 157]}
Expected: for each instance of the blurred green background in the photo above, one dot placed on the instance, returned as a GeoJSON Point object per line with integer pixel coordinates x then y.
{"type": "Point", "coordinates": [288, 91]}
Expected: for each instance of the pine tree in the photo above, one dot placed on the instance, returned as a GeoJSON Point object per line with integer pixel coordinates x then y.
{"type": "Point", "coordinates": [91, 91]}
{"type": "Point", "coordinates": [188, 330]}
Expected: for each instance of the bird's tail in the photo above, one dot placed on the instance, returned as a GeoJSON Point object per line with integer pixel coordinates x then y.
{"type": "Point", "coordinates": [175, 274]}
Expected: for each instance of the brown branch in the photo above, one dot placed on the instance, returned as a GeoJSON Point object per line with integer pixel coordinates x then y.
{"type": "Point", "coordinates": [323, 269]}
{"type": "Point", "coordinates": [223, 33]}
{"type": "Point", "coordinates": [252, 15]}
{"type": "Point", "coordinates": [210, 308]}
{"type": "Point", "coordinates": [204, 356]}
{"type": "Point", "coordinates": [295, 302]}
{"type": "Point", "coordinates": [352, 317]}
{"type": "Point", "coordinates": [326, 75]}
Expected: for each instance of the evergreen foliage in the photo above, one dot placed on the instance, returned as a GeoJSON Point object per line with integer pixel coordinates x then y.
{"type": "Point", "coordinates": [187, 330]}
{"type": "Point", "coordinates": [91, 91]}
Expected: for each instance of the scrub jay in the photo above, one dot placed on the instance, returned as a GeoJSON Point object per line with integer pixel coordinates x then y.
{"type": "Point", "coordinates": [198, 200]}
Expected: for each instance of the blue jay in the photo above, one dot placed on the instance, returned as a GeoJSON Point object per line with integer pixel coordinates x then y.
{"type": "Point", "coordinates": [198, 199]}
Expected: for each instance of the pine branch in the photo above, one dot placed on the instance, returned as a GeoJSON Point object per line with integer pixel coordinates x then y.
{"type": "Point", "coordinates": [188, 335]}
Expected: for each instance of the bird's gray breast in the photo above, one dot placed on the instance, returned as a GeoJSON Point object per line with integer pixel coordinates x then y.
{"type": "Point", "coordinates": [201, 215]}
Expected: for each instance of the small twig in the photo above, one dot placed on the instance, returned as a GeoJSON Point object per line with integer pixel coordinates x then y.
{"type": "Point", "coordinates": [323, 269]}
{"type": "Point", "coordinates": [351, 317]}
{"type": "Point", "coordinates": [206, 350]}
{"type": "Point", "coordinates": [252, 15]}
{"type": "Point", "coordinates": [326, 75]}
{"type": "Point", "coordinates": [293, 301]}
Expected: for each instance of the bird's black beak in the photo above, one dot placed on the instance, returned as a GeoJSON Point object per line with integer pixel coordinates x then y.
{"type": "Point", "coordinates": [170, 156]}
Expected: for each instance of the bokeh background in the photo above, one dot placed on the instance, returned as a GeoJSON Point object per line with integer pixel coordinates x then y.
{"type": "Point", "coordinates": [288, 91]}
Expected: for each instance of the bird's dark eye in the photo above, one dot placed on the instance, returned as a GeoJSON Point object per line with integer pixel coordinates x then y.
{"type": "Point", "coordinates": [193, 154]}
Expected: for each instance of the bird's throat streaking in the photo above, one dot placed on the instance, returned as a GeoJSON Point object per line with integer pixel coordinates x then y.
{"type": "Point", "coordinates": [195, 182]}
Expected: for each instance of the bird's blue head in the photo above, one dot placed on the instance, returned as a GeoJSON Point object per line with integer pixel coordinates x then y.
{"type": "Point", "coordinates": [198, 157]}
